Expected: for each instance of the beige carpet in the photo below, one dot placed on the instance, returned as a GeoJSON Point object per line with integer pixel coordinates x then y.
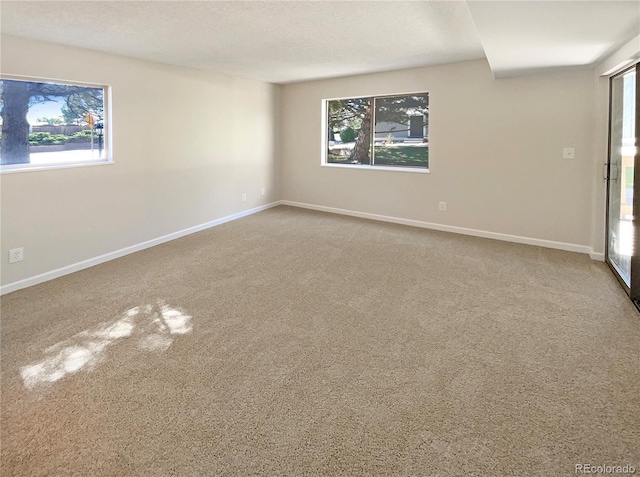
{"type": "Point", "coordinates": [301, 343]}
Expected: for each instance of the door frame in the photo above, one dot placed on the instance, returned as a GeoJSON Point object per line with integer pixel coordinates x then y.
{"type": "Point", "coordinates": [633, 290]}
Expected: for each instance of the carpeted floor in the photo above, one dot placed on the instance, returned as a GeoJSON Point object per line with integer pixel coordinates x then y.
{"type": "Point", "coordinates": [296, 343]}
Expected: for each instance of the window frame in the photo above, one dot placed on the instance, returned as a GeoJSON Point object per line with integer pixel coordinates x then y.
{"type": "Point", "coordinates": [369, 167]}
{"type": "Point", "coordinates": [107, 130]}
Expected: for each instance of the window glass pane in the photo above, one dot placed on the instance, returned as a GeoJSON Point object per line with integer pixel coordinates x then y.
{"type": "Point", "coordinates": [402, 131]}
{"type": "Point", "coordinates": [50, 123]}
{"type": "Point", "coordinates": [349, 129]}
{"type": "Point", "coordinates": [620, 247]}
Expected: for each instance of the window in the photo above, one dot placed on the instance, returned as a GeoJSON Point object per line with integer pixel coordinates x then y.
{"type": "Point", "coordinates": [399, 137]}
{"type": "Point", "coordinates": [46, 124]}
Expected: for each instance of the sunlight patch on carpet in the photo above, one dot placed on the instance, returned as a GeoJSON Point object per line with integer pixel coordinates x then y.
{"type": "Point", "coordinates": [155, 343]}
{"type": "Point", "coordinates": [153, 326]}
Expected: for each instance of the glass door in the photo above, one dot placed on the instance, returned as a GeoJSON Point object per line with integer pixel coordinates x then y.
{"type": "Point", "coordinates": [621, 177]}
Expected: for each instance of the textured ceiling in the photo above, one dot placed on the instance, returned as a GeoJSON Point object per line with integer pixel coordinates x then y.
{"type": "Point", "coordinates": [290, 41]}
{"type": "Point", "coordinates": [274, 41]}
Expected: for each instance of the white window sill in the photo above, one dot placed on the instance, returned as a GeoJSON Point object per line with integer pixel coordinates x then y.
{"type": "Point", "coordinates": [364, 167]}
{"type": "Point", "coordinates": [9, 169]}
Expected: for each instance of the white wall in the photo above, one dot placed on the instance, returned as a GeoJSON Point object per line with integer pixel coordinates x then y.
{"type": "Point", "coordinates": [186, 145]}
{"type": "Point", "coordinates": [495, 155]}
{"type": "Point", "coordinates": [495, 152]}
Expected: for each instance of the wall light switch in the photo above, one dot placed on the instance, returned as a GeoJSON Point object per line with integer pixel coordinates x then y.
{"type": "Point", "coordinates": [569, 153]}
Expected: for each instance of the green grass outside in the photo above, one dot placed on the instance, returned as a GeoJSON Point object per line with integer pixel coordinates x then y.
{"type": "Point", "coordinates": [404, 156]}
{"type": "Point", "coordinates": [407, 156]}
{"type": "Point", "coordinates": [337, 159]}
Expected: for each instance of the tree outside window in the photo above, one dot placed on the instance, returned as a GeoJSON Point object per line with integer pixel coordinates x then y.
{"type": "Point", "coordinates": [46, 123]}
{"type": "Point", "coordinates": [388, 131]}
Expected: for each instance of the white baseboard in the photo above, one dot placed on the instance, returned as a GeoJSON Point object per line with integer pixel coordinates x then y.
{"type": "Point", "coordinates": [43, 277]}
{"type": "Point", "coordinates": [570, 247]}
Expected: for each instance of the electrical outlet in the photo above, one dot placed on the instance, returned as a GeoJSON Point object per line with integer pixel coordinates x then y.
{"type": "Point", "coordinates": [263, 191]}
{"type": "Point", "coordinates": [16, 255]}
{"type": "Point", "coordinates": [569, 153]}
{"type": "Point", "coordinates": [442, 206]}
{"type": "Point", "coordinates": [244, 197]}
